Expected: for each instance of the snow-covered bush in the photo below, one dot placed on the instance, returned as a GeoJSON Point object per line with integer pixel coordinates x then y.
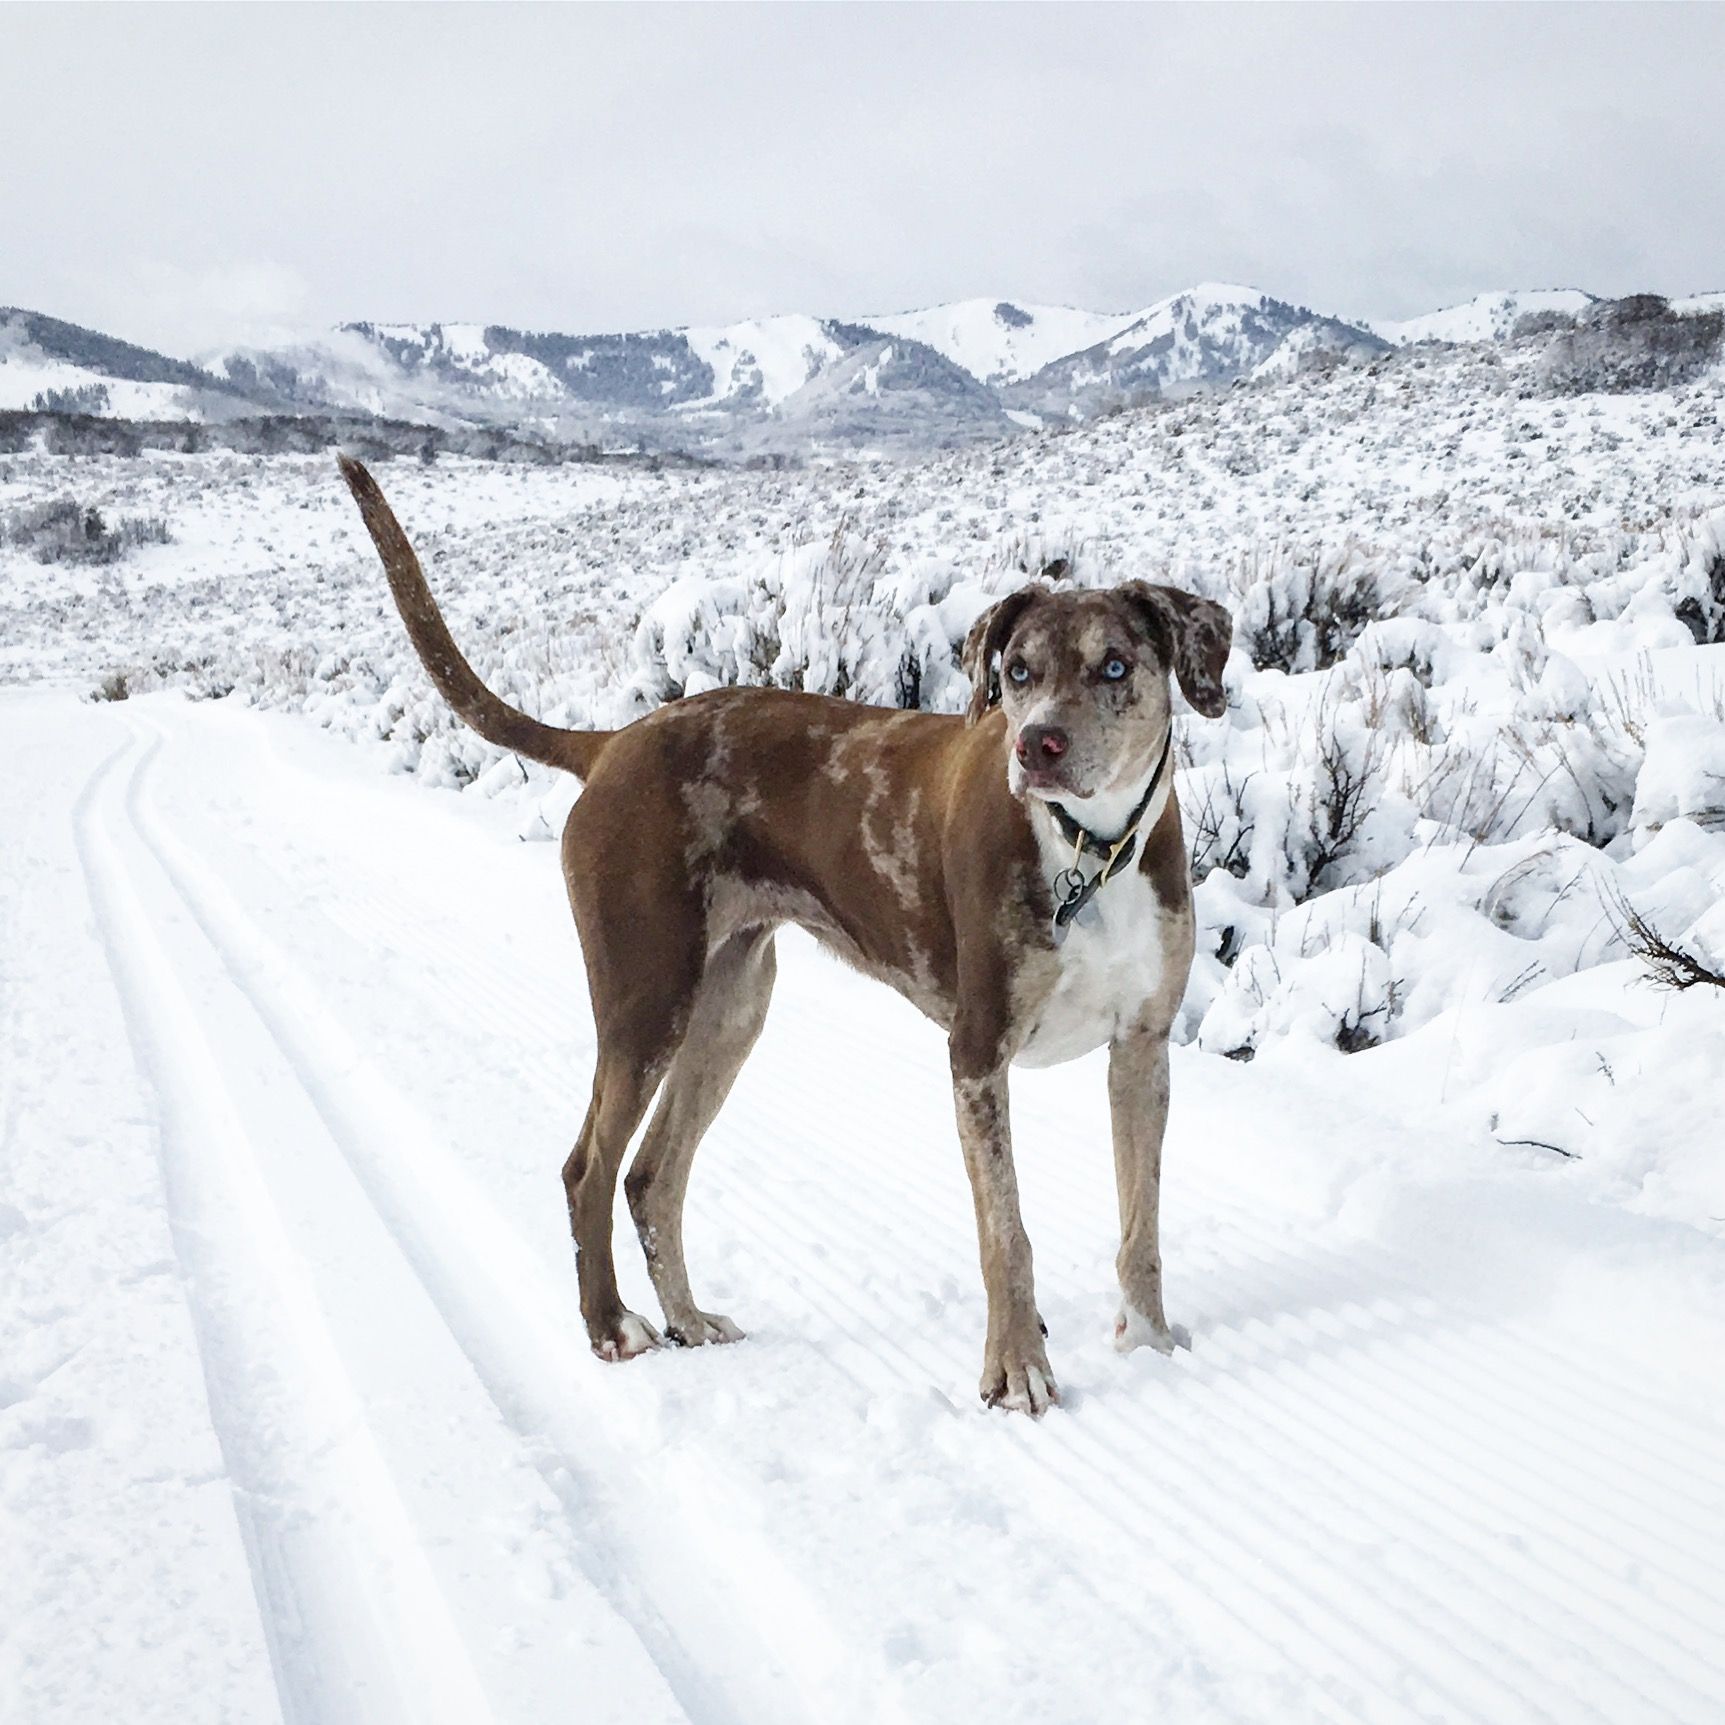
{"type": "Point", "coordinates": [66, 531]}
{"type": "Point", "coordinates": [1699, 585]}
{"type": "Point", "coordinates": [829, 619]}
{"type": "Point", "coordinates": [1301, 608]}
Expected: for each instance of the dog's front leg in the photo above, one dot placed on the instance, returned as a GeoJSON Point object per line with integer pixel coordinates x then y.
{"type": "Point", "coordinates": [1015, 1370]}
{"type": "Point", "coordinates": [1138, 1102]}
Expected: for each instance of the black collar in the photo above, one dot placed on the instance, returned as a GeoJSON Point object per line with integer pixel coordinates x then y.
{"type": "Point", "coordinates": [1072, 890]}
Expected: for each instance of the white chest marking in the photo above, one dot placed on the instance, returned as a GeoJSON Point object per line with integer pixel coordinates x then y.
{"type": "Point", "coordinates": [1108, 966]}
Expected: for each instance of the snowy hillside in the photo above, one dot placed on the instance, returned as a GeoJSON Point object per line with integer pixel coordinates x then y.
{"type": "Point", "coordinates": [1488, 317]}
{"type": "Point", "coordinates": [1434, 556]}
{"type": "Point", "coordinates": [45, 362]}
{"type": "Point", "coordinates": [1208, 335]}
{"type": "Point", "coordinates": [767, 384]}
{"type": "Point", "coordinates": [1001, 341]}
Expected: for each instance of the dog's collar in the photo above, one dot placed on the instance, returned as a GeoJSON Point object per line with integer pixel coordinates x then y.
{"type": "Point", "coordinates": [1072, 890]}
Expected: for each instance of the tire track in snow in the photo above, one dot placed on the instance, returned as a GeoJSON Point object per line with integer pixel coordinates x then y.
{"type": "Point", "coordinates": [519, 1351]}
{"type": "Point", "coordinates": [347, 1620]}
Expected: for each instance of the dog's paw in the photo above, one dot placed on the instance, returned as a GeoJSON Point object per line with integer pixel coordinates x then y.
{"type": "Point", "coordinates": [703, 1330]}
{"type": "Point", "coordinates": [629, 1336]}
{"type": "Point", "coordinates": [1132, 1329]}
{"type": "Point", "coordinates": [1020, 1380]}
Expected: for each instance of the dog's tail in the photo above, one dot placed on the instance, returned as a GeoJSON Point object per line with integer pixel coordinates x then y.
{"type": "Point", "coordinates": [493, 718]}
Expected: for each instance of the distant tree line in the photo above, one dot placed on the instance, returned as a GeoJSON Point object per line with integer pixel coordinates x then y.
{"type": "Point", "coordinates": [1636, 343]}
{"type": "Point", "coordinates": [83, 433]}
{"type": "Point", "coordinates": [88, 398]}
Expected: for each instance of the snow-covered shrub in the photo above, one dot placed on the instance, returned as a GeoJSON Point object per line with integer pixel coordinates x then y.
{"type": "Point", "coordinates": [1301, 608]}
{"type": "Point", "coordinates": [1682, 775]}
{"type": "Point", "coordinates": [1342, 994]}
{"type": "Point", "coordinates": [66, 531]}
{"type": "Point", "coordinates": [1666, 962]}
{"type": "Point", "coordinates": [829, 619]}
{"type": "Point", "coordinates": [1699, 584]}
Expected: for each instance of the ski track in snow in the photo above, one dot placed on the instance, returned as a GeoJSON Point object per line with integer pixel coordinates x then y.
{"type": "Point", "coordinates": [1361, 1497]}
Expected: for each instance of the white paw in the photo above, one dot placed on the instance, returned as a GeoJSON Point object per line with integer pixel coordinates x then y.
{"type": "Point", "coordinates": [703, 1330]}
{"type": "Point", "coordinates": [1022, 1382]}
{"type": "Point", "coordinates": [1133, 1330]}
{"type": "Point", "coordinates": [630, 1335]}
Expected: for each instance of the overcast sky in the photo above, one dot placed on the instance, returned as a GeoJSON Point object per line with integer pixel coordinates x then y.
{"type": "Point", "coordinates": [192, 177]}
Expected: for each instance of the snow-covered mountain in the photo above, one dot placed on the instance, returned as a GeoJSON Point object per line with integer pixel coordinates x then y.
{"type": "Point", "coordinates": [1486, 317]}
{"type": "Point", "coordinates": [1001, 341]}
{"type": "Point", "coordinates": [47, 362]}
{"type": "Point", "coordinates": [768, 383]}
{"type": "Point", "coordinates": [945, 376]}
{"type": "Point", "coordinates": [1208, 335]}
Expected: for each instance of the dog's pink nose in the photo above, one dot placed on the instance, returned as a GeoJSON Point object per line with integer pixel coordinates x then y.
{"type": "Point", "coordinates": [1041, 745]}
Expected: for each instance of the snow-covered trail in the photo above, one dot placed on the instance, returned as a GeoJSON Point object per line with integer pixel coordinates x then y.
{"type": "Point", "coordinates": [298, 1421]}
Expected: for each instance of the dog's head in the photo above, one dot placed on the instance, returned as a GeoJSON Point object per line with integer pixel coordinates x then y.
{"type": "Point", "coordinates": [1083, 677]}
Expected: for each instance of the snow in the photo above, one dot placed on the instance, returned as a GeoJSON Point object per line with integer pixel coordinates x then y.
{"type": "Point", "coordinates": [299, 1422]}
{"type": "Point", "coordinates": [785, 352]}
{"type": "Point", "coordinates": [296, 1418]}
{"type": "Point", "coordinates": [466, 342]}
{"type": "Point", "coordinates": [1486, 317]}
{"type": "Point", "coordinates": [1205, 304]}
{"type": "Point", "coordinates": [25, 372]}
{"type": "Point", "coordinates": [972, 334]}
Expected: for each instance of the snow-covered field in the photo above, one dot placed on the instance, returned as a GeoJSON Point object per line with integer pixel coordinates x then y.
{"type": "Point", "coordinates": [296, 1417]}
{"type": "Point", "coordinates": [299, 1422]}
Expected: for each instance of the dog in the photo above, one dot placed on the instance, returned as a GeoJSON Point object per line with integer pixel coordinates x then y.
{"type": "Point", "coordinates": [1018, 872]}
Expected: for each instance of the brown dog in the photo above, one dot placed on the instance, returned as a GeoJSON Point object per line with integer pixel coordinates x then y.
{"type": "Point", "coordinates": [983, 865]}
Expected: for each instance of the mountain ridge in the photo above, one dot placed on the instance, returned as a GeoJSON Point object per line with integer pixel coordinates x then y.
{"type": "Point", "coordinates": [939, 376]}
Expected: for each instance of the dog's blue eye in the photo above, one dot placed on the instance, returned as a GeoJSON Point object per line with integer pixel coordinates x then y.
{"type": "Point", "coordinates": [1113, 667]}
{"type": "Point", "coordinates": [1018, 671]}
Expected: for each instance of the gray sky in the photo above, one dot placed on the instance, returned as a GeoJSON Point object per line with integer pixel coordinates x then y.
{"type": "Point", "coordinates": [187, 177]}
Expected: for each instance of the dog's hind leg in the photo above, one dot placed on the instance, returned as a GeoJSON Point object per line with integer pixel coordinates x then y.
{"type": "Point", "coordinates": [729, 1010]}
{"type": "Point", "coordinates": [622, 1088]}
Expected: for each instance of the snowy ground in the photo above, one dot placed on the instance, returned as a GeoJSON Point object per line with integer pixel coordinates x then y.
{"type": "Point", "coordinates": [297, 1421]}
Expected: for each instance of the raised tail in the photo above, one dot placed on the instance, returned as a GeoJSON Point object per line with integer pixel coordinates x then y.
{"type": "Point", "coordinates": [458, 683]}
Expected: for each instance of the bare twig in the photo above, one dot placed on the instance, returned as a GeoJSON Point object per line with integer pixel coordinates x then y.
{"type": "Point", "coordinates": [1540, 1144]}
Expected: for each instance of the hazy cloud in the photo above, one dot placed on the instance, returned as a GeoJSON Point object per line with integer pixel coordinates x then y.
{"type": "Point", "coordinates": [190, 176]}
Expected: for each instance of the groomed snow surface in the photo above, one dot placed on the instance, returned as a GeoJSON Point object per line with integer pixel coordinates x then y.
{"type": "Point", "coordinates": [298, 1421]}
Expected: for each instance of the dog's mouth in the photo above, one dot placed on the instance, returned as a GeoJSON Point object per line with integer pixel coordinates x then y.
{"type": "Point", "coordinates": [1047, 782]}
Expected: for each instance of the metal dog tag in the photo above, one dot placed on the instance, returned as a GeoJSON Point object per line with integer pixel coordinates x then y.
{"type": "Point", "coordinates": [1073, 900]}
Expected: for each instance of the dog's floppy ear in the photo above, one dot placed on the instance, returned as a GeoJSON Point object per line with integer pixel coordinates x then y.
{"type": "Point", "coordinates": [988, 634]}
{"type": "Point", "coordinates": [1195, 633]}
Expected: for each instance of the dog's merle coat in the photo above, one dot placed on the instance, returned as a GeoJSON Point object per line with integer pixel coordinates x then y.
{"type": "Point", "coordinates": [919, 847]}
